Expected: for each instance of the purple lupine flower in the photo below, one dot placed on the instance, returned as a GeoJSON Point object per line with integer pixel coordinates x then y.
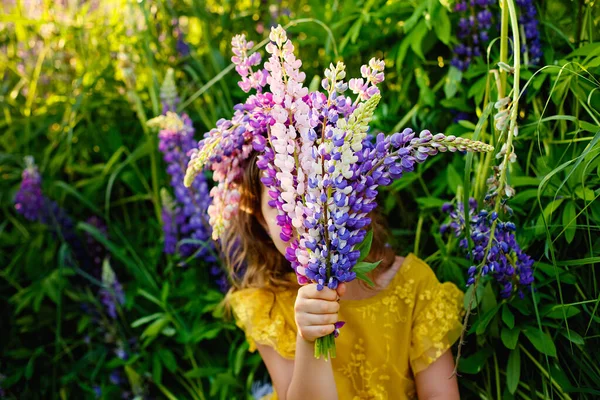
{"type": "Point", "coordinates": [185, 226]}
{"type": "Point", "coordinates": [30, 200]}
{"type": "Point", "coordinates": [501, 259]}
{"type": "Point", "coordinates": [473, 31]}
{"type": "Point", "coordinates": [475, 28]}
{"type": "Point", "coordinates": [115, 377]}
{"type": "Point", "coordinates": [528, 20]}
{"type": "Point", "coordinates": [35, 206]}
{"type": "Point", "coordinates": [183, 49]}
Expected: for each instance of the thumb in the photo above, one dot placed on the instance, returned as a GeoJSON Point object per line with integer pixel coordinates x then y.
{"type": "Point", "coordinates": [341, 289]}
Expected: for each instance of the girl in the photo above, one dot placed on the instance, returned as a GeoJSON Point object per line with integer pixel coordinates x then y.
{"type": "Point", "coordinates": [397, 338]}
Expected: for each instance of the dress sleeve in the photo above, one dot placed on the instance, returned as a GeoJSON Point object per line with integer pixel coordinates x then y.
{"type": "Point", "coordinates": [266, 318]}
{"type": "Point", "coordinates": [436, 319]}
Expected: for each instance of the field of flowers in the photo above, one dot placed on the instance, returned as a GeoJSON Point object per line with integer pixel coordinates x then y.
{"type": "Point", "coordinates": [110, 285]}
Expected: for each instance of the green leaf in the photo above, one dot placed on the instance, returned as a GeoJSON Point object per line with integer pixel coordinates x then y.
{"type": "Point", "coordinates": [168, 359]}
{"type": "Point", "coordinates": [573, 336]}
{"type": "Point", "coordinates": [417, 36]}
{"type": "Point", "coordinates": [362, 268]}
{"type": "Point", "coordinates": [473, 364]}
{"type": "Point", "coordinates": [442, 26]}
{"type": "Point", "coordinates": [486, 319]}
{"type": "Point", "coordinates": [145, 320]}
{"type": "Point", "coordinates": [165, 292]}
{"type": "Point", "coordinates": [452, 82]}
{"type": "Point", "coordinates": [513, 370]}
{"type": "Point", "coordinates": [414, 18]}
{"type": "Point", "coordinates": [541, 341]}
{"type": "Point", "coordinates": [585, 193]}
{"type": "Point", "coordinates": [508, 317]}
{"type": "Point", "coordinates": [510, 337]}
{"type": "Point", "coordinates": [559, 311]}
{"type": "Point", "coordinates": [365, 246]}
{"type": "Point", "coordinates": [569, 220]}
{"type": "Point", "coordinates": [550, 208]}
{"type": "Point", "coordinates": [156, 369]}
{"type": "Point", "coordinates": [365, 279]}
{"type": "Point", "coordinates": [239, 358]}
{"type": "Point", "coordinates": [477, 296]}
{"type": "Point", "coordinates": [365, 267]}
{"type": "Point", "coordinates": [154, 328]}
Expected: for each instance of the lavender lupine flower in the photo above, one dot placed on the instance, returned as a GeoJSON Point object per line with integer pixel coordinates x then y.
{"type": "Point", "coordinates": [501, 259]}
{"type": "Point", "coordinates": [111, 294]}
{"type": "Point", "coordinates": [320, 166]}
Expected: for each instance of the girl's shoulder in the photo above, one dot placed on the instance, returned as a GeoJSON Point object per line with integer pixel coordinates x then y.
{"type": "Point", "coordinates": [266, 315]}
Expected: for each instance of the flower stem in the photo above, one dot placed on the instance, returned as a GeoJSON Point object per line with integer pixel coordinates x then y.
{"type": "Point", "coordinates": [503, 45]}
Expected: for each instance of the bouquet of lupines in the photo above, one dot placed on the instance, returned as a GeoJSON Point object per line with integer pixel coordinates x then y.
{"type": "Point", "coordinates": [320, 165]}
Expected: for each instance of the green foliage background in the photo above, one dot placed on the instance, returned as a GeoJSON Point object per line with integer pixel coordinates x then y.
{"type": "Point", "coordinates": [79, 82]}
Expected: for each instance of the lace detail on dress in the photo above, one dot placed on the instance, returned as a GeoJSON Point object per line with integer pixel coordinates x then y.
{"type": "Point", "coordinates": [437, 326]}
{"type": "Point", "coordinates": [398, 297]}
{"type": "Point", "coordinates": [261, 317]}
{"type": "Point", "coordinates": [368, 381]}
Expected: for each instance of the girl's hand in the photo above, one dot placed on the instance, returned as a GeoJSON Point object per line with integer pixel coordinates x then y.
{"type": "Point", "coordinates": [317, 310]}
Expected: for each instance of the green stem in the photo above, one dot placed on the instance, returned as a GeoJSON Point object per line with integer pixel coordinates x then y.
{"type": "Point", "coordinates": [504, 45]}
{"type": "Point", "coordinates": [497, 373]}
{"type": "Point", "coordinates": [544, 372]}
{"type": "Point", "coordinates": [418, 235]}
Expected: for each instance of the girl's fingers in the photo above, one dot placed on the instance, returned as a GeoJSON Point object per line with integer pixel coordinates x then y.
{"type": "Point", "coordinates": [314, 306]}
{"type": "Point", "coordinates": [341, 289]}
{"type": "Point", "coordinates": [310, 292]}
{"type": "Point", "coordinates": [305, 319]}
{"type": "Point", "coordinates": [316, 331]}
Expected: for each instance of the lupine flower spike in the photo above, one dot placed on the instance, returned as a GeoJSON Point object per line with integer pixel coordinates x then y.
{"type": "Point", "coordinates": [496, 252]}
{"type": "Point", "coordinates": [184, 217]}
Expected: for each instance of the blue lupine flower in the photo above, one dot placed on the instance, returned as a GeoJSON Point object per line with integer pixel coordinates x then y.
{"type": "Point", "coordinates": [504, 260]}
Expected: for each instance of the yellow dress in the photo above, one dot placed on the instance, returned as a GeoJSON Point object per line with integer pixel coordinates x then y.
{"type": "Point", "coordinates": [387, 339]}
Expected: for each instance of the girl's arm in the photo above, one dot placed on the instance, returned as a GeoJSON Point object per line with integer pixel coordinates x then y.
{"type": "Point", "coordinates": [305, 376]}
{"type": "Point", "coordinates": [438, 381]}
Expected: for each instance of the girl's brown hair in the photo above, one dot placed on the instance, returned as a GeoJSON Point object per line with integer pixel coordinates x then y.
{"type": "Point", "coordinates": [251, 258]}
